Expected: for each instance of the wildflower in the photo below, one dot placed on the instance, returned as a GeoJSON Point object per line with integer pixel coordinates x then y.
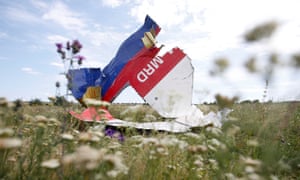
{"type": "Point", "coordinates": [79, 59]}
{"type": "Point", "coordinates": [261, 31]}
{"type": "Point", "coordinates": [274, 59]}
{"type": "Point", "coordinates": [117, 164]}
{"type": "Point", "coordinates": [195, 136]}
{"type": "Point", "coordinates": [11, 159]}
{"type": "Point", "coordinates": [249, 169]}
{"type": "Point", "coordinates": [251, 162]}
{"type": "Point", "coordinates": [214, 130]}
{"type": "Point", "coordinates": [67, 136]}
{"type": "Point", "coordinates": [6, 132]}
{"type": "Point", "coordinates": [76, 46]}
{"type": "Point", "coordinates": [84, 158]}
{"type": "Point", "coordinates": [251, 65]}
{"type": "Point", "coordinates": [225, 102]}
{"type": "Point", "coordinates": [230, 176]}
{"type": "Point", "coordinates": [213, 163]}
{"type": "Point", "coordinates": [9, 143]}
{"type": "Point", "coordinates": [97, 133]}
{"type": "Point", "coordinates": [221, 65]}
{"type": "Point", "coordinates": [216, 143]}
{"type": "Point", "coordinates": [284, 166]}
{"type": "Point", "coordinates": [198, 163]}
{"type": "Point", "coordinates": [172, 167]}
{"type": "Point", "coordinates": [88, 136]}
{"type": "Point", "coordinates": [233, 130]}
{"type": "Point", "coordinates": [197, 148]}
{"type": "Point", "coordinates": [253, 176]}
{"type": "Point", "coordinates": [51, 164]}
{"type": "Point", "coordinates": [252, 142]}
{"type": "Point", "coordinates": [212, 148]}
{"type": "Point", "coordinates": [59, 46]}
{"type": "Point", "coordinates": [114, 145]}
{"type": "Point", "coordinates": [40, 118]}
{"type": "Point", "coordinates": [296, 60]}
{"type": "Point", "coordinates": [28, 117]}
{"type": "Point", "coordinates": [54, 121]}
{"type": "Point", "coordinates": [162, 150]}
{"type": "Point", "coordinates": [3, 102]}
{"type": "Point", "coordinates": [273, 177]}
{"type": "Point", "coordinates": [173, 141]}
{"type": "Point", "coordinates": [114, 133]}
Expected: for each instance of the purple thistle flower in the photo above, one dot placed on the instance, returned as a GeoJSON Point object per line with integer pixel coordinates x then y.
{"type": "Point", "coordinates": [114, 133]}
{"type": "Point", "coordinates": [79, 57]}
{"type": "Point", "coordinates": [59, 46]}
{"type": "Point", "coordinates": [76, 46]}
{"type": "Point", "coordinates": [109, 132]}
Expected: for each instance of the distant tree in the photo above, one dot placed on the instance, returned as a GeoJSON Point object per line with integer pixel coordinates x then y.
{"type": "Point", "coordinates": [35, 102]}
{"type": "Point", "coordinates": [18, 104]}
{"type": "Point", "coordinates": [60, 101]}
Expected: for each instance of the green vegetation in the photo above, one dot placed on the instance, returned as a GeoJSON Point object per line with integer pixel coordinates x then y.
{"type": "Point", "coordinates": [258, 141]}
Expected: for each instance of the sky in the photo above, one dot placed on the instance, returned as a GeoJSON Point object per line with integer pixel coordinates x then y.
{"type": "Point", "coordinates": [206, 30]}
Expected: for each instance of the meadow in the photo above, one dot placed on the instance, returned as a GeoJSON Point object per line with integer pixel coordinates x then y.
{"type": "Point", "coordinates": [257, 141]}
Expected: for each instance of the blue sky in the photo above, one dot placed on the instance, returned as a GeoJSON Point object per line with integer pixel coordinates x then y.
{"type": "Point", "coordinates": [205, 30]}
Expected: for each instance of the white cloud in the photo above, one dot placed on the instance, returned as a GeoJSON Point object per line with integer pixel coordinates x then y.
{"type": "Point", "coordinates": [56, 64]}
{"type": "Point", "coordinates": [29, 70]}
{"type": "Point", "coordinates": [113, 3]}
{"type": "Point", "coordinates": [62, 15]}
{"type": "Point", "coordinates": [19, 14]}
{"type": "Point", "coordinates": [57, 39]}
{"type": "Point", "coordinates": [3, 35]}
{"type": "Point", "coordinates": [223, 23]}
{"type": "Point", "coordinates": [39, 4]}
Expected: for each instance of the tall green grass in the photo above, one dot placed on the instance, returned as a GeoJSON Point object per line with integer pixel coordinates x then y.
{"type": "Point", "coordinates": [259, 141]}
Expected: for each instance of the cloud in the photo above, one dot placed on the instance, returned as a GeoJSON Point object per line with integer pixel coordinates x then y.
{"type": "Point", "coordinates": [18, 13]}
{"type": "Point", "coordinates": [29, 70]}
{"type": "Point", "coordinates": [3, 35]}
{"type": "Point", "coordinates": [57, 39]}
{"type": "Point", "coordinates": [60, 13]}
{"type": "Point", "coordinates": [113, 3]}
{"type": "Point", "coordinates": [56, 64]}
{"type": "Point", "coordinates": [216, 26]}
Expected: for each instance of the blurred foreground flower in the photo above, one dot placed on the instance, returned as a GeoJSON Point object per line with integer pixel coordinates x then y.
{"type": "Point", "coordinates": [66, 136]}
{"type": "Point", "coordinates": [87, 158]}
{"type": "Point", "coordinates": [40, 119]}
{"type": "Point", "coordinates": [221, 64]}
{"type": "Point", "coordinates": [3, 102]}
{"type": "Point", "coordinates": [225, 102]}
{"type": "Point", "coordinates": [296, 60]}
{"type": "Point", "coordinates": [251, 65]}
{"type": "Point", "coordinates": [9, 143]}
{"type": "Point", "coordinates": [261, 31]}
{"type": "Point", "coordinates": [88, 137]}
{"type": "Point", "coordinates": [51, 164]}
{"type": "Point", "coordinates": [84, 158]}
{"type": "Point", "coordinates": [6, 132]}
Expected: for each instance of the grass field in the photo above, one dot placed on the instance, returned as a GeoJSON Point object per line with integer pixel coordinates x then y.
{"type": "Point", "coordinates": [258, 141]}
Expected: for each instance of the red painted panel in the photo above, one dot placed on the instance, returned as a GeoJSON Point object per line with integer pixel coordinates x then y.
{"type": "Point", "coordinates": [154, 70]}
